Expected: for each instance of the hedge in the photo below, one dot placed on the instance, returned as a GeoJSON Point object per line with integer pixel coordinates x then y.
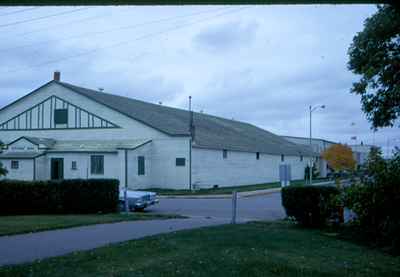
{"type": "Point", "coordinates": [311, 206]}
{"type": "Point", "coordinates": [75, 196]}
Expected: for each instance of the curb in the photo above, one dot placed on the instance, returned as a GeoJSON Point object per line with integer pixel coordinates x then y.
{"type": "Point", "coordinates": [222, 196]}
{"type": "Point", "coordinates": [244, 194]}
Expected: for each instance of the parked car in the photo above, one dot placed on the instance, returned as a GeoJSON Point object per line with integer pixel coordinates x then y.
{"type": "Point", "coordinates": [341, 175]}
{"type": "Point", "coordinates": [137, 200]}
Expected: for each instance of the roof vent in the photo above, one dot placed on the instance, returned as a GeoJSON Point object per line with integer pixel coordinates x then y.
{"type": "Point", "coordinates": [57, 76]}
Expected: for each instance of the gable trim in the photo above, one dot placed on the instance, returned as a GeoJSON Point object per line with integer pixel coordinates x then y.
{"type": "Point", "coordinates": [23, 137]}
{"type": "Point", "coordinates": [40, 111]}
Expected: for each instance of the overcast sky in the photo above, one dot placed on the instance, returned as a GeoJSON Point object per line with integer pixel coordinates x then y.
{"type": "Point", "coordinates": [260, 64]}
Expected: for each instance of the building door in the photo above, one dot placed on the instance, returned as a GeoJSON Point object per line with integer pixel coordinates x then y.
{"type": "Point", "coordinates": [57, 168]}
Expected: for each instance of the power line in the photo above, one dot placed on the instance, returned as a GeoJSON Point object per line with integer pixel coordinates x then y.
{"type": "Point", "coordinates": [41, 17]}
{"type": "Point", "coordinates": [127, 27]}
{"type": "Point", "coordinates": [58, 25]}
{"type": "Point", "coordinates": [95, 50]}
{"type": "Point", "coordinates": [19, 11]}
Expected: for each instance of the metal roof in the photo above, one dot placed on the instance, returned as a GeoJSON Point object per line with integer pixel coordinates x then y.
{"type": "Point", "coordinates": [48, 143]}
{"type": "Point", "coordinates": [41, 141]}
{"type": "Point", "coordinates": [210, 131]}
{"type": "Point", "coordinates": [96, 145]}
{"type": "Point", "coordinates": [20, 155]}
{"type": "Point", "coordinates": [312, 139]}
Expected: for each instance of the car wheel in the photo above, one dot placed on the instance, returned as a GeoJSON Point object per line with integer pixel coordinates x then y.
{"type": "Point", "coordinates": [137, 209]}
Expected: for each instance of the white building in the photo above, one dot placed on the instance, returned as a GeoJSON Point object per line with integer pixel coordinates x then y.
{"type": "Point", "coordinates": [63, 131]}
{"type": "Point", "coordinates": [361, 152]}
{"type": "Point", "coordinates": [318, 146]}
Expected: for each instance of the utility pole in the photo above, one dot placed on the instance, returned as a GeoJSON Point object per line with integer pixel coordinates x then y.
{"type": "Point", "coordinates": [190, 141]}
{"type": "Point", "coordinates": [311, 109]}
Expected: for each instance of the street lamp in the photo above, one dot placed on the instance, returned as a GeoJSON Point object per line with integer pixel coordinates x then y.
{"type": "Point", "coordinates": [311, 160]}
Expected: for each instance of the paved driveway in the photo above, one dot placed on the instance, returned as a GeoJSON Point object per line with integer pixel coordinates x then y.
{"type": "Point", "coordinates": [263, 207]}
{"type": "Point", "coordinates": [29, 247]}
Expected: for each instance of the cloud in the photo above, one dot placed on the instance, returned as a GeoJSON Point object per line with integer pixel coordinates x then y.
{"type": "Point", "coordinates": [226, 36]}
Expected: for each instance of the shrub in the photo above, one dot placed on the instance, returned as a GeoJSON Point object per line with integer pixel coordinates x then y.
{"type": "Point", "coordinates": [377, 202]}
{"type": "Point", "coordinates": [311, 206]}
{"type": "Point", "coordinates": [3, 170]}
{"type": "Point", "coordinates": [75, 196]}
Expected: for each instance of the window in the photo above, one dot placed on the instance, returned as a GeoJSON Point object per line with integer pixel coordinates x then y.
{"type": "Point", "coordinates": [180, 162]}
{"type": "Point", "coordinates": [97, 164]}
{"type": "Point", "coordinates": [258, 155]}
{"type": "Point", "coordinates": [14, 164]}
{"type": "Point", "coordinates": [282, 158]}
{"type": "Point", "coordinates": [141, 165]}
{"type": "Point", "coordinates": [73, 165]}
{"type": "Point", "coordinates": [60, 116]}
{"type": "Point", "coordinates": [301, 158]}
{"type": "Point", "coordinates": [224, 153]}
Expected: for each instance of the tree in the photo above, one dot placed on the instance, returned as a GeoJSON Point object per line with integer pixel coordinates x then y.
{"type": "Point", "coordinates": [376, 201]}
{"type": "Point", "coordinates": [339, 157]}
{"type": "Point", "coordinates": [376, 164]}
{"type": "Point", "coordinates": [3, 171]}
{"type": "Point", "coordinates": [375, 55]}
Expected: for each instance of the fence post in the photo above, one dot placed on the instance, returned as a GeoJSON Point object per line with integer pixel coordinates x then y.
{"type": "Point", "coordinates": [234, 206]}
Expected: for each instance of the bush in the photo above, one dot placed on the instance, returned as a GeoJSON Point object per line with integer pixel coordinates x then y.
{"type": "Point", "coordinates": [377, 202]}
{"type": "Point", "coordinates": [75, 196]}
{"type": "Point", "coordinates": [311, 206]}
{"type": "Point", "coordinates": [3, 170]}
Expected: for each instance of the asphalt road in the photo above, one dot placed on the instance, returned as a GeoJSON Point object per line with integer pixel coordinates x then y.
{"type": "Point", "coordinates": [262, 207]}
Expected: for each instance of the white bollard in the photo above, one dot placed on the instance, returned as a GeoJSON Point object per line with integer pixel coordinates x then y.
{"type": "Point", "coordinates": [126, 200]}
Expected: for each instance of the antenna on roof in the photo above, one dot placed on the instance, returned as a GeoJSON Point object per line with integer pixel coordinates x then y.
{"type": "Point", "coordinates": [191, 125]}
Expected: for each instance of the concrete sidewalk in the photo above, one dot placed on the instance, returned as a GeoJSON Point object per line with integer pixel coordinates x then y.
{"type": "Point", "coordinates": [242, 194]}
{"type": "Point", "coordinates": [30, 247]}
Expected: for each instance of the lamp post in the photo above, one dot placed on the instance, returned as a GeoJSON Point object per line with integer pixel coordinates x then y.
{"type": "Point", "coordinates": [311, 108]}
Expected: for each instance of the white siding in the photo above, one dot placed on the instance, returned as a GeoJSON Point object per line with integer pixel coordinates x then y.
{"type": "Point", "coordinates": [240, 168]}
{"type": "Point", "coordinates": [22, 145]}
{"type": "Point", "coordinates": [111, 166]}
{"type": "Point", "coordinates": [136, 181]}
{"type": "Point", "coordinates": [165, 173]}
{"type": "Point", "coordinates": [42, 168]}
{"type": "Point", "coordinates": [24, 172]}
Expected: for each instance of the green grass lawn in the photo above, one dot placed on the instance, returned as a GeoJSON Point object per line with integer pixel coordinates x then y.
{"type": "Point", "coordinates": [227, 190]}
{"type": "Point", "coordinates": [253, 249]}
{"type": "Point", "coordinates": [10, 225]}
